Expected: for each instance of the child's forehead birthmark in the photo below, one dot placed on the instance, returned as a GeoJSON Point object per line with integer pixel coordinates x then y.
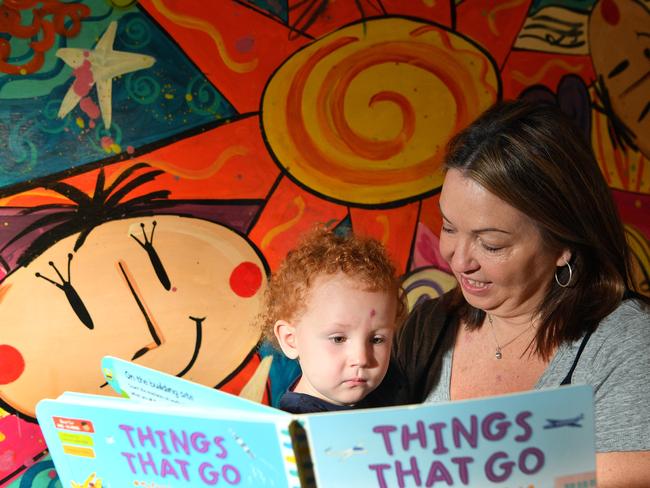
{"type": "Point", "coordinates": [373, 312]}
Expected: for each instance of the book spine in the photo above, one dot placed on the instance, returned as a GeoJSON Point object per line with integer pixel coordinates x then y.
{"type": "Point", "coordinates": [289, 456]}
{"type": "Point", "coordinates": [302, 454]}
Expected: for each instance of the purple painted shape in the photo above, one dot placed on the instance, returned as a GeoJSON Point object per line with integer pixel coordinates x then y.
{"type": "Point", "coordinates": [11, 223]}
{"type": "Point", "coordinates": [245, 44]}
{"type": "Point", "coordinates": [235, 216]}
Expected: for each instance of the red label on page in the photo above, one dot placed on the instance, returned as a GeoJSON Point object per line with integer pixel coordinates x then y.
{"type": "Point", "coordinates": [77, 425]}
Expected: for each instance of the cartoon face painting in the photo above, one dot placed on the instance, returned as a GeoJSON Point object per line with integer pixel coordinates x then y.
{"type": "Point", "coordinates": [173, 293]}
{"type": "Point", "coordinates": [619, 39]}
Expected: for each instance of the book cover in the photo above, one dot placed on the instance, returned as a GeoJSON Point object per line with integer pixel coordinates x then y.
{"type": "Point", "coordinates": [166, 432]}
{"type": "Point", "coordinates": [535, 439]}
{"type": "Point", "coordinates": [116, 442]}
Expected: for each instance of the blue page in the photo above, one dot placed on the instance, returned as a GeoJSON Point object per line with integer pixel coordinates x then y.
{"type": "Point", "coordinates": [540, 439]}
{"type": "Point", "coordinates": [116, 443]}
{"type": "Point", "coordinates": [145, 384]}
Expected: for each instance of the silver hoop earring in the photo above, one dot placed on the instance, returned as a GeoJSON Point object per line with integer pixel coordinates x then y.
{"type": "Point", "coordinates": [557, 280]}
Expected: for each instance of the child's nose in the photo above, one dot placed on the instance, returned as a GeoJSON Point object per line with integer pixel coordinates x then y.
{"type": "Point", "coordinates": [360, 355]}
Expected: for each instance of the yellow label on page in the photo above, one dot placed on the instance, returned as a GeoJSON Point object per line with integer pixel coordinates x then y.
{"type": "Point", "coordinates": [78, 439]}
{"type": "Point", "coordinates": [79, 451]}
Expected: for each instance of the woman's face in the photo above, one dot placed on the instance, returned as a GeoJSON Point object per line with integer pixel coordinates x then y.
{"type": "Point", "coordinates": [495, 251]}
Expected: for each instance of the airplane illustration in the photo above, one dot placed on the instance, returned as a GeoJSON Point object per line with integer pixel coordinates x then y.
{"type": "Point", "coordinates": [571, 422]}
{"type": "Point", "coordinates": [346, 453]}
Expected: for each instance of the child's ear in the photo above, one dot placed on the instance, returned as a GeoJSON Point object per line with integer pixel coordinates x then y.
{"type": "Point", "coordinates": [285, 333]}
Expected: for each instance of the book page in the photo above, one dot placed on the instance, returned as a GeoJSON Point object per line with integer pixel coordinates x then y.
{"type": "Point", "coordinates": [145, 384]}
{"type": "Point", "coordinates": [117, 442]}
{"type": "Point", "coordinates": [541, 438]}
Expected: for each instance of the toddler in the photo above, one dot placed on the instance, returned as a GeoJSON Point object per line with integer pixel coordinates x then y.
{"type": "Point", "coordinates": [334, 304]}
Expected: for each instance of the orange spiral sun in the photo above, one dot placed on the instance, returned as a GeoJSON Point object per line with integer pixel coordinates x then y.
{"type": "Point", "coordinates": [362, 115]}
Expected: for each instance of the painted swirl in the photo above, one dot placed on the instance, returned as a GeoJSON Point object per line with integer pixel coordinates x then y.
{"type": "Point", "coordinates": [362, 115]}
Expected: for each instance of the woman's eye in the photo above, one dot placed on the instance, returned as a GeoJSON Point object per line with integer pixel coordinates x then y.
{"type": "Point", "coordinates": [447, 230]}
{"type": "Point", "coordinates": [337, 339]}
{"type": "Point", "coordinates": [378, 340]}
{"type": "Point", "coordinates": [491, 248]}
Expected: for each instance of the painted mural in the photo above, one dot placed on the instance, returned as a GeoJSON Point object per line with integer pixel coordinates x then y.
{"type": "Point", "coordinates": [158, 158]}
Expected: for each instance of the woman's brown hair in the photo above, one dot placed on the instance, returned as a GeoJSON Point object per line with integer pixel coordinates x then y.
{"type": "Point", "coordinates": [532, 156]}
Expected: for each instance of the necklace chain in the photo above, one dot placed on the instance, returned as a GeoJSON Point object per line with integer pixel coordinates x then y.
{"type": "Point", "coordinates": [499, 347]}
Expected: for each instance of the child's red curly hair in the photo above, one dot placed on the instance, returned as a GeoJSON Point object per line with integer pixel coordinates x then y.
{"type": "Point", "coordinates": [323, 252]}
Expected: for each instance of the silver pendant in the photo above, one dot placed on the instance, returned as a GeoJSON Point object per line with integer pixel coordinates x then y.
{"type": "Point", "coordinates": [498, 354]}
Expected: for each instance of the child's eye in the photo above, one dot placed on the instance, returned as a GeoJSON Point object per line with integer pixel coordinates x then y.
{"type": "Point", "coordinates": [378, 340]}
{"type": "Point", "coordinates": [337, 339]}
{"type": "Point", "coordinates": [447, 230]}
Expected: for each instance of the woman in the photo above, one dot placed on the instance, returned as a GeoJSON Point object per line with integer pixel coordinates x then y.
{"type": "Point", "coordinates": [544, 285]}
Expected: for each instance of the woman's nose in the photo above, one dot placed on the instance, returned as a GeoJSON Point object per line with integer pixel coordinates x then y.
{"type": "Point", "coordinates": [462, 257]}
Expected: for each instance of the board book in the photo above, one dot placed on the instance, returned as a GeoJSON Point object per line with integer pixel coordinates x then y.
{"type": "Point", "coordinates": [167, 432]}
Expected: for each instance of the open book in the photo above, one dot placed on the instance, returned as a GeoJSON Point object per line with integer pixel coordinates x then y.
{"type": "Point", "coordinates": [166, 432]}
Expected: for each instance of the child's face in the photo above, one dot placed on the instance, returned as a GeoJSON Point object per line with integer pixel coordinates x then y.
{"type": "Point", "coordinates": [343, 339]}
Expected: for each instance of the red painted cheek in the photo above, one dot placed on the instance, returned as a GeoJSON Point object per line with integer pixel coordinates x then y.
{"type": "Point", "coordinates": [246, 279]}
{"type": "Point", "coordinates": [609, 11]}
{"type": "Point", "coordinates": [12, 364]}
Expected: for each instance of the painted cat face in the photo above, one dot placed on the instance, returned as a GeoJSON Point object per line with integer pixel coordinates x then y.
{"type": "Point", "coordinates": [173, 293]}
{"type": "Point", "coordinates": [619, 40]}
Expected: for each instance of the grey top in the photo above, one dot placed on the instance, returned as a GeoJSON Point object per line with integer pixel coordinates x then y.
{"type": "Point", "coordinates": [616, 363]}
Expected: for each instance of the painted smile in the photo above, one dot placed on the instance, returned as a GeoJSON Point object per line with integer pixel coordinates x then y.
{"type": "Point", "coordinates": [197, 346]}
{"type": "Point", "coordinates": [153, 328]}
